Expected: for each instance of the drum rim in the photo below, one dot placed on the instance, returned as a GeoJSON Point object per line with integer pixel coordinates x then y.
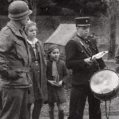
{"type": "Point", "coordinates": [107, 94]}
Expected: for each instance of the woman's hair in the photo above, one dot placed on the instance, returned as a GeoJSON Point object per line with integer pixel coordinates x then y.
{"type": "Point", "coordinates": [29, 24]}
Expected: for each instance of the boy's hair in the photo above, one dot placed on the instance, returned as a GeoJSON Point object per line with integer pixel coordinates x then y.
{"type": "Point", "coordinates": [29, 24]}
{"type": "Point", "coordinates": [50, 49]}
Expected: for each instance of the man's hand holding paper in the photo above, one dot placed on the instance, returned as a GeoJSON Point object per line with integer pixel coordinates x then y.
{"type": "Point", "coordinates": [99, 55]}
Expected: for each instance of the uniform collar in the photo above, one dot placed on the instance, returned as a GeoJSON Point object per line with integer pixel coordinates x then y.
{"type": "Point", "coordinates": [80, 37]}
{"type": "Point", "coordinates": [83, 39]}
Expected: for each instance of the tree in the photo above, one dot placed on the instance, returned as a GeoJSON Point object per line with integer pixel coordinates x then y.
{"type": "Point", "coordinates": [33, 5]}
{"type": "Point", "coordinates": [4, 7]}
{"type": "Point", "coordinates": [113, 19]}
{"type": "Point", "coordinates": [88, 7]}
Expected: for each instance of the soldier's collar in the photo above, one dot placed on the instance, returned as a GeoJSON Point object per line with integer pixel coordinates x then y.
{"type": "Point", "coordinates": [15, 28]}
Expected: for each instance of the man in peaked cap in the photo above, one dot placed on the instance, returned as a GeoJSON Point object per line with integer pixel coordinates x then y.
{"type": "Point", "coordinates": [79, 51]}
{"type": "Point", "coordinates": [15, 63]}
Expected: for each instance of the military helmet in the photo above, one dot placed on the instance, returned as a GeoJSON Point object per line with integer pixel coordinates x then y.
{"type": "Point", "coordinates": [18, 10]}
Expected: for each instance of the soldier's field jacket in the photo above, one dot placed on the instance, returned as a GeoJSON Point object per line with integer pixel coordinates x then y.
{"type": "Point", "coordinates": [15, 58]}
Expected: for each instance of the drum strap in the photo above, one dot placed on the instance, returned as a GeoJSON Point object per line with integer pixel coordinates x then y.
{"type": "Point", "coordinates": [86, 49]}
{"type": "Point", "coordinates": [84, 46]}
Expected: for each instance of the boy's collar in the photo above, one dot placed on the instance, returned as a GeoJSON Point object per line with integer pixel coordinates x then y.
{"type": "Point", "coordinates": [54, 60]}
{"type": "Point", "coordinates": [33, 42]}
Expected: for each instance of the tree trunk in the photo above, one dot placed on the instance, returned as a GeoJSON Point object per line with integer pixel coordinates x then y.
{"type": "Point", "coordinates": [33, 4]}
{"type": "Point", "coordinates": [113, 19]}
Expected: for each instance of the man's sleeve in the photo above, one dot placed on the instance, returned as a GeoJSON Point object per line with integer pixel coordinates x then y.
{"type": "Point", "coordinates": [71, 61]}
{"type": "Point", "coordinates": [5, 44]}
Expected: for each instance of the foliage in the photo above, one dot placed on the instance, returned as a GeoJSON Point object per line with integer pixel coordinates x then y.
{"type": "Point", "coordinates": [62, 7]}
{"type": "Point", "coordinates": [73, 7]}
{"type": "Point", "coordinates": [3, 7]}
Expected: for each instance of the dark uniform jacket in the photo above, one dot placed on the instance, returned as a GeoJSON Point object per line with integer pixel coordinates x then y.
{"type": "Point", "coordinates": [77, 50]}
{"type": "Point", "coordinates": [15, 58]}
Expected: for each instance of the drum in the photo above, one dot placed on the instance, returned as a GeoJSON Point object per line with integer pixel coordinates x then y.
{"type": "Point", "coordinates": [105, 84]}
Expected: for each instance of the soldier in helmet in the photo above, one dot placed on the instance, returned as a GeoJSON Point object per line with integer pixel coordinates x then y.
{"type": "Point", "coordinates": [79, 52]}
{"type": "Point", "coordinates": [15, 62]}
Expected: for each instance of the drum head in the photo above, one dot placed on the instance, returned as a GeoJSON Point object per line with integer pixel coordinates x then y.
{"type": "Point", "coordinates": [104, 82]}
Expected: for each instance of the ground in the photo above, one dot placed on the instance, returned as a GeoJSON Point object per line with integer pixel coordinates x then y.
{"type": "Point", "coordinates": [114, 110]}
{"type": "Point", "coordinates": [113, 105]}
